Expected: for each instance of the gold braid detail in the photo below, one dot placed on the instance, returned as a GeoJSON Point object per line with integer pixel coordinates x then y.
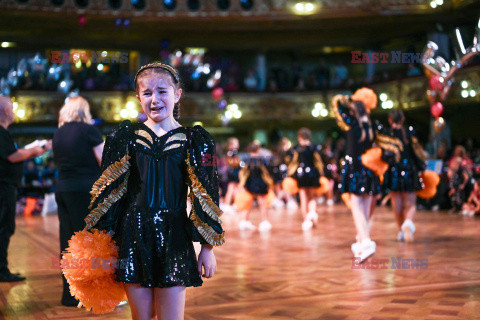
{"type": "Point", "coordinates": [318, 162]}
{"type": "Point", "coordinates": [293, 165]}
{"type": "Point", "coordinates": [95, 215]}
{"type": "Point", "coordinates": [390, 140]}
{"type": "Point", "coordinates": [210, 208]}
{"type": "Point", "coordinates": [336, 113]}
{"type": "Point", "coordinates": [109, 175]}
{"type": "Point", "coordinates": [204, 229]}
{"type": "Point", "coordinates": [417, 148]}
{"type": "Point", "coordinates": [389, 147]}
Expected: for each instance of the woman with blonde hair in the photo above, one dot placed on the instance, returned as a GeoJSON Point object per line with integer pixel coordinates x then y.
{"type": "Point", "coordinates": [77, 148]}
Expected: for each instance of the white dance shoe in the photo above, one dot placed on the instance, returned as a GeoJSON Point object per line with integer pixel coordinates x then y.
{"type": "Point", "coordinates": [278, 204]}
{"type": "Point", "coordinates": [408, 229]}
{"type": "Point", "coordinates": [364, 249]}
{"type": "Point", "coordinates": [312, 215]}
{"type": "Point", "coordinates": [292, 205]}
{"type": "Point", "coordinates": [265, 225]}
{"type": "Point", "coordinates": [400, 236]}
{"type": "Point", "coordinates": [246, 225]}
{"type": "Point", "coordinates": [307, 225]}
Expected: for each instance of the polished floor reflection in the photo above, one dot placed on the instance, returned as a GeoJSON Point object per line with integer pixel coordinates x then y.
{"type": "Point", "coordinates": [290, 274]}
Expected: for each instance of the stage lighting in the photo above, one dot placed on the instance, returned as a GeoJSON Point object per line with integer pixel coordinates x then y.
{"type": "Point", "coordinates": [169, 5]}
{"type": "Point", "coordinates": [57, 3]}
{"type": "Point", "coordinates": [138, 4]}
{"type": "Point", "coordinates": [246, 4]}
{"type": "Point", "coordinates": [115, 4]}
{"type": "Point", "coordinates": [193, 5]}
{"type": "Point", "coordinates": [223, 4]}
{"type": "Point", "coordinates": [82, 3]}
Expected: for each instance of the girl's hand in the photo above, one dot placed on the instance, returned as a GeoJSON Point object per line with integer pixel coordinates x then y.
{"type": "Point", "coordinates": [206, 258]}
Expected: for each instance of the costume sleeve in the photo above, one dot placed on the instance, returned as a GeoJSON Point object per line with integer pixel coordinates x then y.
{"type": "Point", "coordinates": [318, 160]}
{"type": "Point", "coordinates": [391, 146]}
{"type": "Point", "coordinates": [108, 192]}
{"type": "Point", "coordinates": [204, 189]}
{"type": "Point", "coordinates": [417, 150]}
{"type": "Point", "coordinates": [340, 110]}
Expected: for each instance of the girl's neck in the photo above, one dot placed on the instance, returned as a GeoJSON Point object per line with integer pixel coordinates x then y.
{"type": "Point", "coordinates": [162, 127]}
{"type": "Point", "coordinates": [396, 126]}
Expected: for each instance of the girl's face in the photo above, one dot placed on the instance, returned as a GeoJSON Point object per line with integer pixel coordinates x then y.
{"type": "Point", "coordinates": [158, 96]}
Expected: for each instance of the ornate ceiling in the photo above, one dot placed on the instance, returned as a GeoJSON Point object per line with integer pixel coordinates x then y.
{"type": "Point", "coordinates": [270, 24]}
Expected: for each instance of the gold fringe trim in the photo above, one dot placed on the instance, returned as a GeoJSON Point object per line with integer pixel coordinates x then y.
{"type": "Point", "coordinates": [243, 176]}
{"type": "Point", "coordinates": [204, 229]}
{"type": "Point", "coordinates": [336, 113]}
{"type": "Point", "coordinates": [210, 208]}
{"type": "Point", "coordinates": [103, 207]}
{"type": "Point", "coordinates": [389, 147]}
{"type": "Point", "coordinates": [293, 165]}
{"type": "Point", "coordinates": [417, 148]}
{"type": "Point", "coordinates": [266, 176]}
{"type": "Point", "coordinates": [143, 143]}
{"type": "Point", "coordinates": [390, 140]}
{"type": "Point", "coordinates": [318, 162]}
{"type": "Point", "coordinates": [109, 175]}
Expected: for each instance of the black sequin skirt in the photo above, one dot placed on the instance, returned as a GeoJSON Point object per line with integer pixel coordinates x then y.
{"type": "Point", "coordinates": [155, 249]}
{"type": "Point", "coordinates": [403, 177]}
{"type": "Point", "coordinates": [357, 179]}
{"type": "Point", "coordinates": [307, 177]}
{"type": "Point", "coordinates": [255, 184]}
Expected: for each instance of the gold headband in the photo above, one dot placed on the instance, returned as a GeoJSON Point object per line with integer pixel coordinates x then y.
{"type": "Point", "coordinates": [159, 65]}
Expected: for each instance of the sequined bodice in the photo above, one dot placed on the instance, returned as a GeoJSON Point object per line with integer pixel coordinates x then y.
{"type": "Point", "coordinates": [160, 162]}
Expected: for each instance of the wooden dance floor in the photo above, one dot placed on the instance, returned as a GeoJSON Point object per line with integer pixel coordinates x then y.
{"type": "Point", "coordinates": [289, 274]}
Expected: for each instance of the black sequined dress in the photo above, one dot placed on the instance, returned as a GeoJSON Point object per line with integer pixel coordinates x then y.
{"type": "Point", "coordinates": [255, 177]}
{"type": "Point", "coordinates": [233, 163]}
{"type": "Point", "coordinates": [306, 166]}
{"type": "Point", "coordinates": [356, 178]}
{"type": "Point", "coordinates": [153, 231]}
{"type": "Point", "coordinates": [403, 173]}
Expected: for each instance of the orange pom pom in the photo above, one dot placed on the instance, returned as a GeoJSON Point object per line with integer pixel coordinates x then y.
{"type": "Point", "coordinates": [431, 181]}
{"type": "Point", "coordinates": [372, 159]}
{"type": "Point", "coordinates": [346, 199]}
{"type": "Point", "coordinates": [324, 186]}
{"type": "Point", "coordinates": [89, 266]}
{"type": "Point", "coordinates": [290, 185]}
{"type": "Point", "coordinates": [100, 296]}
{"type": "Point", "coordinates": [243, 201]}
{"type": "Point", "coordinates": [270, 197]}
{"type": "Point", "coordinates": [367, 96]}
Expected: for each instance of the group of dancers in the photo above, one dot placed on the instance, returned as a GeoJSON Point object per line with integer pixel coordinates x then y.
{"type": "Point", "coordinates": [299, 170]}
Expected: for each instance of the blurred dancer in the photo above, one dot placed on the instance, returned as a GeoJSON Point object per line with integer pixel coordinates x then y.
{"type": "Point", "coordinates": [357, 181]}
{"type": "Point", "coordinates": [256, 180]}
{"type": "Point", "coordinates": [402, 178]}
{"type": "Point", "coordinates": [233, 168]}
{"type": "Point", "coordinates": [306, 168]}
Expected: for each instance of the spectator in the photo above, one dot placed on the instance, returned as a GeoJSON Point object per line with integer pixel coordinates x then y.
{"type": "Point", "coordinates": [11, 165]}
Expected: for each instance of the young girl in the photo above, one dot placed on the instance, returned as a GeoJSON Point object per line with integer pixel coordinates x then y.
{"type": "Point", "coordinates": [142, 194]}
{"type": "Point", "coordinates": [306, 167]}
{"type": "Point", "coordinates": [256, 180]}
{"type": "Point", "coordinates": [358, 181]}
{"type": "Point", "coordinates": [402, 178]}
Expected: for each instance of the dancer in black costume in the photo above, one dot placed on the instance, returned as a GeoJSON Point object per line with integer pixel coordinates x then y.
{"type": "Point", "coordinates": [147, 170]}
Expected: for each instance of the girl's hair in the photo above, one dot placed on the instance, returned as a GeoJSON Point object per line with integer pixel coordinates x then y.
{"type": "Point", "coordinates": [161, 69]}
{"type": "Point", "coordinates": [305, 134]}
{"type": "Point", "coordinates": [359, 111]}
{"type": "Point", "coordinates": [397, 117]}
{"type": "Point", "coordinates": [75, 109]}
